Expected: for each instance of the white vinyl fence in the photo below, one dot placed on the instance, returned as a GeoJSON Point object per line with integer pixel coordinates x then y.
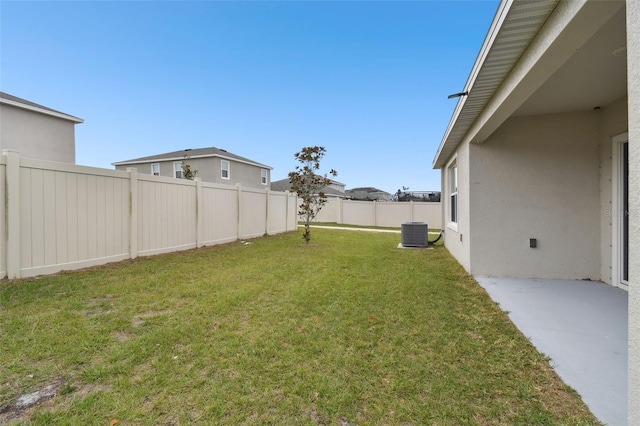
{"type": "Point", "coordinates": [56, 216]}
{"type": "Point", "coordinates": [377, 213]}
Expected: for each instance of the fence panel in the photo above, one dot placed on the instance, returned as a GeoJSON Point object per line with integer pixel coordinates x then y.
{"type": "Point", "coordinates": [358, 213]}
{"type": "Point", "coordinates": [429, 213]}
{"type": "Point", "coordinates": [220, 211]}
{"type": "Point", "coordinates": [393, 214]}
{"type": "Point", "coordinates": [329, 212]}
{"type": "Point", "coordinates": [277, 215]}
{"type": "Point", "coordinates": [70, 217]}
{"type": "Point", "coordinates": [166, 214]}
{"type": "Point", "coordinates": [380, 213]}
{"type": "Point", "coordinates": [3, 220]}
{"type": "Point", "coordinates": [292, 217]}
{"type": "Point", "coordinates": [253, 213]}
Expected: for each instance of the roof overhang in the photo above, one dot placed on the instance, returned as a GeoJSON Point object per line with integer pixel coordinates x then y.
{"type": "Point", "coordinates": [527, 43]}
{"type": "Point", "coordinates": [41, 110]}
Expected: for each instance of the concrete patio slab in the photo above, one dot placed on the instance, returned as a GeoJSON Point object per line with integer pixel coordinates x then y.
{"type": "Point", "coordinates": [582, 326]}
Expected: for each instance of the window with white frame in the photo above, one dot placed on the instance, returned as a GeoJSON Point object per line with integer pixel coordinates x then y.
{"type": "Point", "coordinates": [155, 169]}
{"type": "Point", "coordinates": [224, 169]}
{"type": "Point", "coordinates": [263, 176]}
{"type": "Point", "coordinates": [177, 169]}
{"type": "Point", "coordinates": [453, 192]}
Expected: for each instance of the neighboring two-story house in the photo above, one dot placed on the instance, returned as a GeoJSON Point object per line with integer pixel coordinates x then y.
{"type": "Point", "coordinates": [36, 131]}
{"type": "Point", "coordinates": [212, 164]}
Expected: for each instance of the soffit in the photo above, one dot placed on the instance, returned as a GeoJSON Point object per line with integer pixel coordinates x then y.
{"type": "Point", "coordinates": [504, 45]}
{"type": "Point", "coordinates": [595, 76]}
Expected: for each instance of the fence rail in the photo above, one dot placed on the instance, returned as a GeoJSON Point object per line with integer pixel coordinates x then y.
{"type": "Point", "coordinates": [57, 216]}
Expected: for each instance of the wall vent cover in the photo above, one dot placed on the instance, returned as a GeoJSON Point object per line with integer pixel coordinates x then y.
{"type": "Point", "coordinates": [414, 234]}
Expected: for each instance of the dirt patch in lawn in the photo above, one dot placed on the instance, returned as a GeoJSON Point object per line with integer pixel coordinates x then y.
{"type": "Point", "coordinates": [139, 320]}
{"type": "Point", "coordinates": [16, 408]}
{"type": "Point", "coordinates": [20, 410]}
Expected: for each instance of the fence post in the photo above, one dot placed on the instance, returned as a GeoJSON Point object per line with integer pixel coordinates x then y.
{"type": "Point", "coordinates": [286, 214]}
{"type": "Point", "coordinates": [133, 212]}
{"type": "Point", "coordinates": [340, 207]}
{"type": "Point", "coordinates": [411, 211]}
{"type": "Point", "coordinates": [266, 213]}
{"type": "Point", "coordinates": [239, 227]}
{"type": "Point", "coordinates": [199, 215]}
{"type": "Point", "coordinates": [12, 176]}
{"type": "Point", "coordinates": [375, 213]}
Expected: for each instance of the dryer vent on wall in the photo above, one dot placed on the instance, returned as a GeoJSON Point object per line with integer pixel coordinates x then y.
{"type": "Point", "coordinates": [414, 234]}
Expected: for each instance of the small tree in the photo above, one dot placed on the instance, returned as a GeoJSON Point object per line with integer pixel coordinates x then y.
{"type": "Point", "coordinates": [187, 172]}
{"type": "Point", "coordinates": [309, 186]}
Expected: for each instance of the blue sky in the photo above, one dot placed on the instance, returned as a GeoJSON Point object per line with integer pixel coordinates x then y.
{"type": "Point", "coordinates": [367, 80]}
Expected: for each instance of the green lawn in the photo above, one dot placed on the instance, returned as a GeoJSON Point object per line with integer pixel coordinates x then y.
{"type": "Point", "coordinates": [348, 330]}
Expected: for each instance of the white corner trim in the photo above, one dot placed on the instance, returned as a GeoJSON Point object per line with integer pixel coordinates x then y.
{"type": "Point", "coordinates": [616, 201]}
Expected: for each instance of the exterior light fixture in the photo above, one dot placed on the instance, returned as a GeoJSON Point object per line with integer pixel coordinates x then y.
{"type": "Point", "coordinates": [457, 95]}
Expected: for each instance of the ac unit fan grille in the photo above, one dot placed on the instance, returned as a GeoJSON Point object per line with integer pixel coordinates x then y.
{"type": "Point", "coordinates": [414, 234]}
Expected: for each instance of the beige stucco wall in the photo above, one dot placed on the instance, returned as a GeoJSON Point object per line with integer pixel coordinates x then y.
{"type": "Point", "coordinates": [456, 236]}
{"type": "Point", "coordinates": [37, 135]}
{"type": "Point", "coordinates": [633, 78]}
{"type": "Point", "coordinates": [209, 171]}
{"type": "Point", "coordinates": [537, 177]}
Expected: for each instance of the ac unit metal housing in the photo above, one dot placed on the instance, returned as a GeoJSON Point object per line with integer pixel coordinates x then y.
{"type": "Point", "coordinates": [414, 234]}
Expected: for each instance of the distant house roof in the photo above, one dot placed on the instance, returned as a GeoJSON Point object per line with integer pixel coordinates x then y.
{"type": "Point", "coordinates": [15, 101]}
{"type": "Point", "coordinates": [368, 189]}
{"type": "Point", "coordinates": [191, 153]}
{"type": "Point", "coordinates": [368, 193]}
{"type": "Point", "coordinates": [285, 185]}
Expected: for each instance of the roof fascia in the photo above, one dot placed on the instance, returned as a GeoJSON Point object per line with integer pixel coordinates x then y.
{"type": "Point", "coordinates": [41, 110]}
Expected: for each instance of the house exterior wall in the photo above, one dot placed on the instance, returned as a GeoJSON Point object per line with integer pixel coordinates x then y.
{"type": "Point", "coordinates": [37, 135]}
{"type": "Point", "coordinates": [633, 84]}
{"type": "Point", "coordinates": [209, 170]}
{"type": "Point", "coordinates": [538, 177]}
{"type": "Point", "coordinates": [456, 236]}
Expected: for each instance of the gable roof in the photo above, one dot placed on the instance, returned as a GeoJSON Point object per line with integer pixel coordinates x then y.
{"type": "Point", "coordinates": [191, 153]}
{"type": "Point", "coordinates": [15, 101]}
